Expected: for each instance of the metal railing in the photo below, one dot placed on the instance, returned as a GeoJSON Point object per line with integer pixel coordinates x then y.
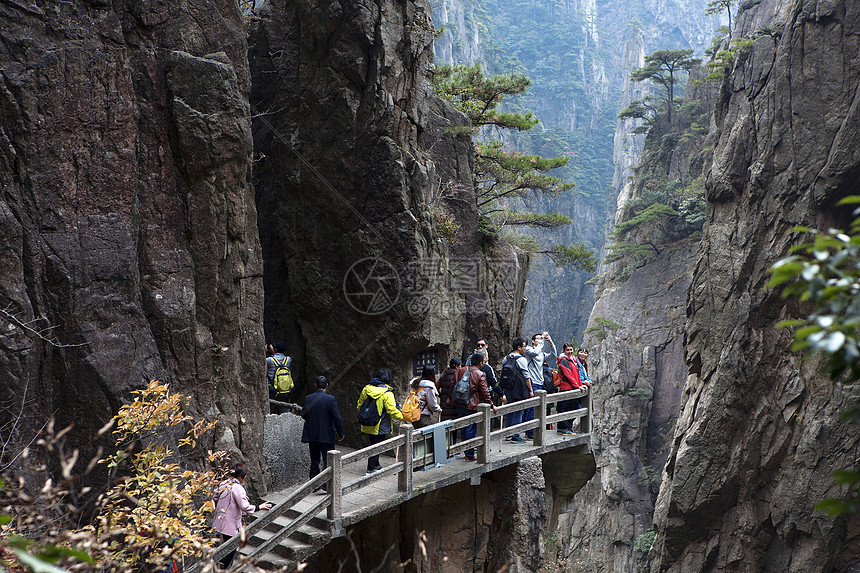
{"type": "Point", "coordinates": [403, 445]}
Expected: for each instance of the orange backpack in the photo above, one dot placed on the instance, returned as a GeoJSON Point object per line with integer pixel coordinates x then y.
{"type": "Point", "coordinates": [411, 409]}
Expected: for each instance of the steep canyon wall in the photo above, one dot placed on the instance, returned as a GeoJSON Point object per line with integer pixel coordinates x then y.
{"type": "Point", "coordinates": [757, 436]}
{"type": "Point", "coordinates": [356, 171]}
{"type": "Point", "coordinates": [638, 324]}
{"type": "Point", "coordinates": [129, 248]}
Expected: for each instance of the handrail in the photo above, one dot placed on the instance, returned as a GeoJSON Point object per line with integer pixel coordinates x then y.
{"type": "Point", "coordinates": [374, 449]}
{"type": "Point", "coordinates": [403, 444]}
{"type": "Point", "coordinates": [306, 516]}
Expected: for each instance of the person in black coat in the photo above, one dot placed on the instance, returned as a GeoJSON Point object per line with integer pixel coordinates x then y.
{"type": "Point", "coordinates": [323, 426]}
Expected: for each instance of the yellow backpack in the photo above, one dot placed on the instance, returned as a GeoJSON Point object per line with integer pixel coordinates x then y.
{"type": "Point", "coordinates": [411, 409]}
{"type": "Point", "coordinates": [283, 378]}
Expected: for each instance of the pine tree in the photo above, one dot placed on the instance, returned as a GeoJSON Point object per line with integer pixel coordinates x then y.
{"type": "Point", "coordinates": [665, 68]}
{"type": "Point", "coordinates": [641, 109]}
{"type": "Point", "coordinates": [500, 174]}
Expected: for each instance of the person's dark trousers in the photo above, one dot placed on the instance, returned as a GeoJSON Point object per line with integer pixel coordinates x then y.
{"type": "Point", "coordinates": [513, 419]}
{"type": "Point", "coordinates": [469, 431]}
{"type": "Point", "coordinates": [373, 461]}
{"type": "Point", "coordinates": [227, 560]}
{"type": "Point", "coordinates": [272, 393]}
{"type": "Point", "coordinates": [567, 406]}
{"type": "Point", "coordinates": [280, 397]}
{"type": "Point", "coordinates": [550, 389]}
{"type": "Point", "coordinates": [318, 451]}
{"type": "Point", "coordinates": [529, 414]}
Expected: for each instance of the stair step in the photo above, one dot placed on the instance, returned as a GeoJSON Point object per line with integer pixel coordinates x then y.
{"type": "Point", "coordinates": [282, 521]}
{"type": "Point", "coordinates": [272, 561]}
{"type": "Point", "coordinates": [285, 549]}
{"type": "Point", "coordinates": [309, 535]}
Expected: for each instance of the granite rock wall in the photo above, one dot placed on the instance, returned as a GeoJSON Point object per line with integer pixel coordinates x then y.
{"type": "Point", "coordinates": [356, 171]}
{"type": "Point", "coordinates": [130, 248]}
{"type": "Point", "coordinates": [757, 436]}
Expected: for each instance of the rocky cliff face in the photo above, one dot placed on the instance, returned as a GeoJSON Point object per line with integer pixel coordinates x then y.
{"type": "Point", "coordinates": [757, 436]}
{"type": "Point", "coordinates": [461, 41]}
{"type": "Point", "coordinates": [356, 174]}
{"type": "Point", "coordinates": [637, 332]}
{"type": "Point", "coordinates": [130, 250]}
{"type": "Point", "coordinates": [639, 371]}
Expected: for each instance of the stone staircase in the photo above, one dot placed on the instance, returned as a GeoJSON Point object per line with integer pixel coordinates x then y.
{"type": "Point", "coordinates": [294, 548]}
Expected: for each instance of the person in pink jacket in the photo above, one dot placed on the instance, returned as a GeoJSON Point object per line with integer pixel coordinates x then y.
{"type": "Point", "coordinates": [231, 502]}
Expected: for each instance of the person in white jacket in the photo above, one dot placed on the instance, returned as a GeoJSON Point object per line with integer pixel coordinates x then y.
{"type": "Point", "coordinates": [428, 397]}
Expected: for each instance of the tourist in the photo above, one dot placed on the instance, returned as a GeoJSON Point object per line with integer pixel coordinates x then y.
{"type": "Point", "coordinates": [381, 393]}
{"type": "Point", "coordinates": [570, 380]}
{"type": "Point", "coordinates": [323, 426]}
{"type": "Point", "coordinates": [582, 362]}
{"type": "Point", "coordinates": [481, 347]}
{"type": "Point", "coordinates": [479, 393]}
{"type": "Point", "coordinates": [516, 383]}
{"type": "Point", "coordinates": [444, 384]}
{"type": "Point", "coordinates": [278, 360]}
{"type": "Point", "coordinates": [536, 355]}
{"type": "Point", "coordinates": [231, 502]}
{"type": "Point", "coordinates": [428, 397]}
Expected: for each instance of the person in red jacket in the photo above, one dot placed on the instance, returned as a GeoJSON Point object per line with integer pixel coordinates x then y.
{"type": "Point", "coordinates": [570, 380]}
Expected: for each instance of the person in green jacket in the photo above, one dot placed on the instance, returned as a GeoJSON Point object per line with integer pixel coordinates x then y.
{"type": "Point", "coordinates": [380, 390]}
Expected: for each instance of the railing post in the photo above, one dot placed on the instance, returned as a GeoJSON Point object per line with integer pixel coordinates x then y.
{"type": "Point", "coordinates": [484, 429]}
{"type": "Point", "coordinates": [540, 431]}
{"type": "Point", "coordinates": [585, 421]}
{"type": "Point", "coordinates": [404, 454]}
{"type": "Point", "coordinates": [335, 487]}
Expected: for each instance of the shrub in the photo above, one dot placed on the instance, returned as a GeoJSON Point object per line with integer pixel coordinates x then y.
{"type": "Point", "coordinates": [645, 541]}
{"type": "Point", "coordinates": [153, 512]}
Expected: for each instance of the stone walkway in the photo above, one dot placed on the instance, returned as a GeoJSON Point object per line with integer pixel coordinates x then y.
{"type": "Point", "coordinates": [383, 494]}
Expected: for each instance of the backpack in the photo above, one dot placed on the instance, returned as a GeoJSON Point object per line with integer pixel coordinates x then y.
{"type": "Point", "coordinates": [411, 409]}
{"type": "Point", "coordinates": [283, 381]}
{"type": "Point", "coordinates": [556, 378]}
{"type": "Point", "coordinates": [461, 392]}
{"type": "Point", "coordinates": [549, 377]}
{"type": "Point", "coordinates": [368, 412]}
{"type": "Point", "coordinates": [510, 377]}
